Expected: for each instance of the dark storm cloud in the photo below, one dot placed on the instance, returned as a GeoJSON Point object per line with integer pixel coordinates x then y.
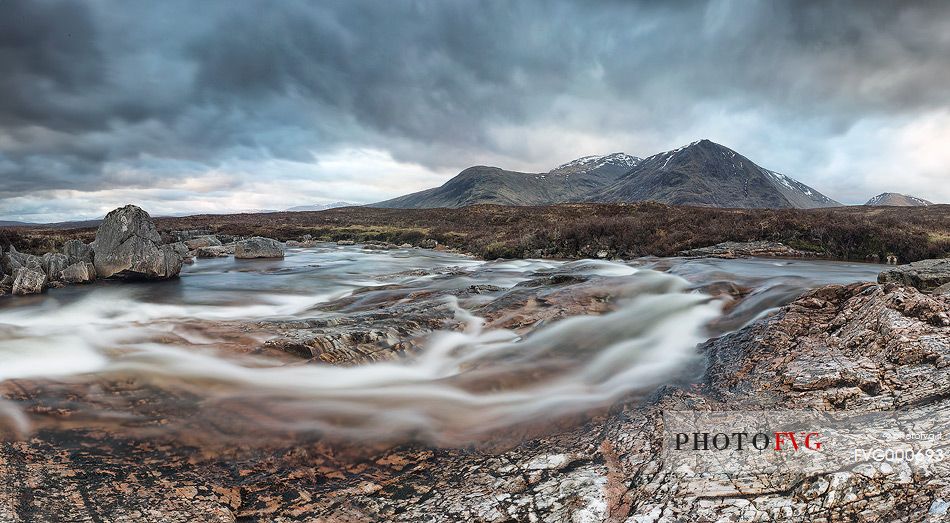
{"type": "Point", "coordinates": [95, 95]}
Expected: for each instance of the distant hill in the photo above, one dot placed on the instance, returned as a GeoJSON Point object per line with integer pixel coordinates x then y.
{"type": "Point", "coordinates": [893, 199]}
{"type": "Point", "coordinates": [572, 181]}
{"type": "Point", "coordinates": [81, 224]}
{"type": "Point", "coordinates": [701, 173]}
{"type": "Point", "coordinates": [322, 206]}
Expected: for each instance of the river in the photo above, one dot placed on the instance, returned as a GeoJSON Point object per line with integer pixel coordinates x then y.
{"type": "Point", "coordinates": [197, 339]}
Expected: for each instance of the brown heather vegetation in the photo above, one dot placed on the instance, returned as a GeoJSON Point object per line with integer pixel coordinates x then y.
{"type": "Point", "coordinates": [579, 230]}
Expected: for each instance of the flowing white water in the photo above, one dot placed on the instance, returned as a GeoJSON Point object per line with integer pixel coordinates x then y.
{"type": "Point", "coordinates": [461, 385]}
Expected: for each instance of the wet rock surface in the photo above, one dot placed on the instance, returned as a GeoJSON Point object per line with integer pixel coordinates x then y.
{"type": "Point", "coordinates": [854, 348]}
{"type": "Point", "coordinates": [128, 246]}
{"type": "Point", "coordinates": [926, 275]}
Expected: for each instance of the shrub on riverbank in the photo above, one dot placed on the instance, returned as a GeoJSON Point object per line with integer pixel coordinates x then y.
{"type": "Point", "coordinates": [582, 230]}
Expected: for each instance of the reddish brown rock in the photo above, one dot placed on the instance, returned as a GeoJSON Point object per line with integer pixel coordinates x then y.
{"type": "Point", "coordinates": [857, 348]}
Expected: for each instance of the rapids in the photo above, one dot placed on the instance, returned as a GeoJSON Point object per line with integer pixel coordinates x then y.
{"type": "Point", "coordinates": [464, 382]}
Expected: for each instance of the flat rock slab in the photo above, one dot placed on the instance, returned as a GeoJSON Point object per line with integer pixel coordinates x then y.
{"type": "Point", "coordinates": [926, 275]}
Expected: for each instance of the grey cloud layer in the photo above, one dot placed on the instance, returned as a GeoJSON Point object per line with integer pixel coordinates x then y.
{"type": "Point", "coordinates": [96, 95]}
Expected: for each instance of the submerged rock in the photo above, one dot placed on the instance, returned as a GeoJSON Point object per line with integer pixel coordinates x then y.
{"type": "Point", "coordinates": [926, 275]}
{"type": "Point", "coordinates": [128, 246]}
{"type": "Point", "coordinates": [29, 281]}
{"type": "Point", "coordinates": [258, 247]}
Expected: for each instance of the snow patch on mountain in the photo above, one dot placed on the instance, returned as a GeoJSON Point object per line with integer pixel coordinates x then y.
{"type": "Point", "coordinates": [897, 199]}
{"type": "Point", "coordinates": [589, 163]}
{"type": "Point", "coordinates": [321, 206]}
{"type": "Point", "coordinates": [798, 193]}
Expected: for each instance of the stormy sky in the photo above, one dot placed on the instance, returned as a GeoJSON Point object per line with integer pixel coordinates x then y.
{"type": "Point", "coordinates": [227, 106]}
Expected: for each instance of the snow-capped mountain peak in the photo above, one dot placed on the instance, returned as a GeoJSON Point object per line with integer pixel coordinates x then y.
{"type": "Point", "coordinates": [589, 163]}
{"type": "Point", "coordinates": [898, 200]}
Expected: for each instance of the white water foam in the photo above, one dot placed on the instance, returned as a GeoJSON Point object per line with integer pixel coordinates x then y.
{"type": "Point", "coordinates": [463, 384]}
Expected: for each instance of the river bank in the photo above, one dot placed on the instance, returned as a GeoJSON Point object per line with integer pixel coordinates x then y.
{"type": "Point", "coordinates": [573, 231]}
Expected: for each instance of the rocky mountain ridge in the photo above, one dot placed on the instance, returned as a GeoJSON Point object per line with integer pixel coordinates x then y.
{"type": "Point", "coordinates": [705, 173]}
{"type": "Point", "coordinates": [702, 173]}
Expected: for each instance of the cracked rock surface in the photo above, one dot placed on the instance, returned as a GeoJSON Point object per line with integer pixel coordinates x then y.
{"type": "Point", "coordinates": [862, 348]}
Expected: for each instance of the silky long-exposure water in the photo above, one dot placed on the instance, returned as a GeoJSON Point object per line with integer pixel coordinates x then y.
{"type": "Point", "coordinates": [193, 343]}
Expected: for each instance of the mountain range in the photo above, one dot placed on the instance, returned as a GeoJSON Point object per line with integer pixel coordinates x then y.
{"type": "Point", "coordinates": [571, 182]}
{"type": "Point", "coordinates": [321, 206]}
{"type": "Point", "coordinates": [893, 199]}
{"type": "Point", "coordinates": [702, 173]}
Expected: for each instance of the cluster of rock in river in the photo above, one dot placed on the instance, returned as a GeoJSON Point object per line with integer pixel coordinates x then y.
{"type": "Point", "coordinates": [730, 250]}
{"type": "Point", "coordinates": [127, 246]}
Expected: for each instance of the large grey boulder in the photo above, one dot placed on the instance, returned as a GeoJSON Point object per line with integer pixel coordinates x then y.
{"type": "Point", "coordinates": [77, 251]}
{"type": "Point", "coordinates": [79, 272]}
{"type": "Point", "coordinates": [128, 246]}
{"type": "Point", "coordinates": [925, 275]}
{"type": "Point", "coordinates": [258, 247]}
{"type": "Point", "coordinates": [29, 281]}
{"type": "Point", "coordinates": [53, 265]}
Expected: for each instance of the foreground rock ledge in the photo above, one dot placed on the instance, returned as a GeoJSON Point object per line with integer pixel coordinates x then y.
{"type": "Point", "coordinates": [857, 348]}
